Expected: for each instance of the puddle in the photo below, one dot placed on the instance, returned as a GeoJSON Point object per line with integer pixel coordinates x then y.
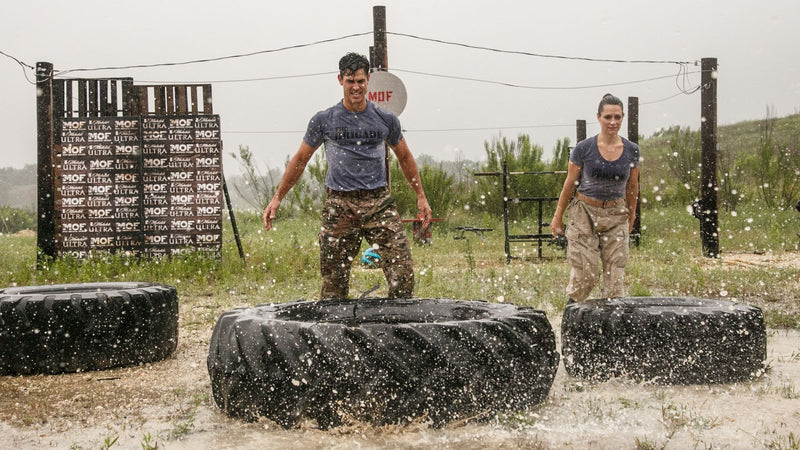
{"type": "Point", "coordinates": [170, 401]}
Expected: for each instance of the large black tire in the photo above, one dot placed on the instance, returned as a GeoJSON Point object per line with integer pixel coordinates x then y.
{"type": "Point", "coordinates": [380, 361]}
{"type": "Point", "coordinates": [664, 340]}
{"type": "Point", "coordinates": [88, 326]}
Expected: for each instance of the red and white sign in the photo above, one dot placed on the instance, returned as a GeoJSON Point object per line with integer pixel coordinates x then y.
{"type": "Point", "coordinates": [387, 91]}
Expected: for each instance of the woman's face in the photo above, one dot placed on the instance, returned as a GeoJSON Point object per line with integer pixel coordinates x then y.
{"type": "Point", "coordinates": [610, 119]}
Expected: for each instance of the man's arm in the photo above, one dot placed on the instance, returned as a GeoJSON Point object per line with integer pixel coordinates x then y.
{"type": "Point", "coordinates": [293, 172]}
{"type": "Point", "coordinates": [409, 167]}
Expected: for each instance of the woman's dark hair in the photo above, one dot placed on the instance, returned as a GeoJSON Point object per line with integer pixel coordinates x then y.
{"type": "Point", "coordinates": [609, 99]}
{"type": "Point", "coordinates": [351, 62]}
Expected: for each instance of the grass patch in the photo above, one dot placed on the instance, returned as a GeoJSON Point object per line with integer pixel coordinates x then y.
{"type": "Point", "coordinates": [283, 265]}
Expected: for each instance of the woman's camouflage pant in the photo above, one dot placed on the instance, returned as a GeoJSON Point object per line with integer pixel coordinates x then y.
{"type": "Point", "coordinates": [595, 235]}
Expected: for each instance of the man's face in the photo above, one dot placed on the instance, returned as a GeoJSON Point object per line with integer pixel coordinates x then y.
{"type": "Point", "coordinates": [355, 87]}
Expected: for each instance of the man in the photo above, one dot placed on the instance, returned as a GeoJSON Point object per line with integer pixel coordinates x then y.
{"type": "Point", "coordinates": [358, 203]}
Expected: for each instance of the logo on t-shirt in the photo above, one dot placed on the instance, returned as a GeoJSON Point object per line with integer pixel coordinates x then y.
{"type": "Point", "coordinates": [345, 134]}
{"type": "Point", "coordinates": [610, 172]}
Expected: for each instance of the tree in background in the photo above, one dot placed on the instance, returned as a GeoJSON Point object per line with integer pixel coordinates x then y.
{"type": "Point", "coordinates": [560, 159]}
{"type": "Point", "coordinates": [439, 188]}
{"type": "Point", "coordinates": [13, 220]}
{"type": "Point", "coordinates": [777, 166]}
{"type": "Point", "coordinates": [732, 181]}
{"type": "Point", "coordinates": [554, 183]}
{"type": "Point", "coordinates": [520, 155]}
{"type": "Point", "coordinates": [684, 162]}
{"type": "Point", "coordinates": [257, 188]}
{"type": "Point", "coordinates": [18, 187]}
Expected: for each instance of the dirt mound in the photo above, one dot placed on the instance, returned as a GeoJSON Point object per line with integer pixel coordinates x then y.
{"type": "Point", "coordinates": [762, 259]}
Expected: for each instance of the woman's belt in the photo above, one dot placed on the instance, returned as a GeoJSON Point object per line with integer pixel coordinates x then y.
{"type": "Point", "coordinates": [599, 203]}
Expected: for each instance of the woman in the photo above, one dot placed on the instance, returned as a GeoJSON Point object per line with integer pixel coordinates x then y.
{"type": "Point", "coordinates": [605, 171]}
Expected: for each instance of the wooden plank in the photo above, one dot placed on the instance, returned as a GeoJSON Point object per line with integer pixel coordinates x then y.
{"type": "Point", "coordinates": [58, 108]}
{"type": "Point", "coordinates": [182, 107]}
{"type": "Point", "coordinates": [68, 97]}
{"type": "Point", "coordinates": [82, 102]}
{"type": "Point", "coordinates": [207, 106]}
{"type": "Point", "coordinates": [93, 110]}
{"type": "Point", "coordinates": [130, 98]}
{"type": "Point", "coordinates": [160, 98]}
{"type": "Point", "coordinates": [195, 104]}
{"type": "Point", "coordinates": [170, 90]}
{"type": "Point", "coordinates": [113, 109]}
{"type": "Point", "coordinates": [102, 100]}
{"type": "Point", "coordinates": [144, 101]}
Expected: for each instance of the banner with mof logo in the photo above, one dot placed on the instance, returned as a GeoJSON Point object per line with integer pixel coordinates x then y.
{"type": "Point", "coordinates": [148, 186]}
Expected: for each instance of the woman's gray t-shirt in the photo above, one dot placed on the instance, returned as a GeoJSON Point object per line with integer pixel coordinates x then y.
{"type": "Point", "coordinates": [354, 145]}
{"type": "Point", "coordinates": [601, 179]}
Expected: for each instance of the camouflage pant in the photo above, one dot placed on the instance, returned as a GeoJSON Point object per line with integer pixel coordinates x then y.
{"type": "Point", "coordinates": [595, 235]}
{"type": "Point", "coordinates": [372, 215]}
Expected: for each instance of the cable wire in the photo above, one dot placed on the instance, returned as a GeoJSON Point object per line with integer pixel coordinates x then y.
{"type": "Point", "coordinates": [538, 55]}
{"type": "Point", "coordinates": [243, 80]}
{"type": "Point", "coordinates": [262, 132]}
{"type": "Point", "coordinates": [439, 130]}
{"type": "Point", "coordinates": [220, 58]}
{"type": "Point", "coordinates": [430, 130]}
{"type": "Point", "coordinates": [681, 78]}
{"type": "Point", "coordinates": [652, 102]}
{"type": "Point", "coordinates": [502, 83]}
{"type": "Point", "coordinates": [681, 72]}
{"type": "Point", "coordinates": [440, 41]}
{"type": "Point", "coordinates": [22, 64]}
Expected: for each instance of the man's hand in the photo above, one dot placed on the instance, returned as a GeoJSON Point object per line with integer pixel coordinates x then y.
{"type": "Point", "coordinates": [269, 213]}
{"type": "Point", "coordinates": [424, 212]}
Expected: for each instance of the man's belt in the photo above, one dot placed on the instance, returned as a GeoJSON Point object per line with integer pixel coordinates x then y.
{"type": "Point", "coordinates": [359, 193]}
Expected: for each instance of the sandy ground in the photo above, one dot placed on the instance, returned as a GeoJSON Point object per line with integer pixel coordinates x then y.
{"type": "Point", "coordinates": [761, 259]}
{"type": "Point", "coordinates": [169, 404]}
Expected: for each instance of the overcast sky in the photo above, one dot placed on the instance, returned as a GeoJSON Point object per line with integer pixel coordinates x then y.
{"type": "Point", "coordinates": [446, 116]}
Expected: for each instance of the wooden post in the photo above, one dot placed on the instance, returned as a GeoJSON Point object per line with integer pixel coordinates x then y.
{"type": "Point", "coordinates": [709, 225]}
{"type": "Point", "coordinates": [379, 52]}
{"type": "Point", "coordinates": [379, 56]}
{"type": "Point", "coordinates": [580, 130]}
{"type": "Point", "coordinates": [45, 236]}
{"type": "Point", "coordinates": [633, 119]}
{"type": "Point", "coordinates": [633, 136]}
{"type": "Point", "coordinates": [505, 211]}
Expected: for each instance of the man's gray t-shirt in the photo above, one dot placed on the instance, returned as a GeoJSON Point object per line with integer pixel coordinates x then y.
{"type": "Point", "coordinates": [354, 145]}
{"type": "Point", "coordinates": [601, 179]}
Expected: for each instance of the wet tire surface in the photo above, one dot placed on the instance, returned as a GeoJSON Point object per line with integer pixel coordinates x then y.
{"type": "Point", "coordinates": [85, 326]}
{"type": "Point", "coordinates": [380, 361]}
{"type": "Point", "coordinates": [664, 340]}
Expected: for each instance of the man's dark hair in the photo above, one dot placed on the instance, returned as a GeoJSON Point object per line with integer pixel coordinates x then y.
{"type": "Point", "coordinates": [351, 62]}
{"type": "Point", "coordinates": [609, 99]}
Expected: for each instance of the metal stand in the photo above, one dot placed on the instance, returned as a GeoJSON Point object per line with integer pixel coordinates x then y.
{"type": "Point", "coordinates": [540, 237]}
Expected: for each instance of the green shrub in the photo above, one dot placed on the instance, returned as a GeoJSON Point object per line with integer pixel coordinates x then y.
{"type": "Point", "coordinates": [13, 220]}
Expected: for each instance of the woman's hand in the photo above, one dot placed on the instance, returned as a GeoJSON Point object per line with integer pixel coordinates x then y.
{"type": "Point", "coordinates": [557, 226]}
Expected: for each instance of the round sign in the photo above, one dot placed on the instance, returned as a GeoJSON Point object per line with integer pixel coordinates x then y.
{"type": "Point", "coordinates": [387, 91]}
